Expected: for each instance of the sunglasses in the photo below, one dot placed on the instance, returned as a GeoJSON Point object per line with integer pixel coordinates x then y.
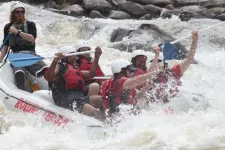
{"type": "Point", "coordinates": [130, 68]}
{"type": "Point", "coordinates": [17, 12]}
{"type": "Point", "coordinates": [84, 49]}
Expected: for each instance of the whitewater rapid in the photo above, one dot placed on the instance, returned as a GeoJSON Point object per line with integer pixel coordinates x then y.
{"type": "Point", "coordinates": [194, 126]}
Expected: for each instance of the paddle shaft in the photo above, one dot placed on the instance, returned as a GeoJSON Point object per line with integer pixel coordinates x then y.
{"type": "Point", "coordinates": [6, 39]}
{"type": "Point", "coordinates": [180, 39]}
{"type": "Point", "coordinates": [102, 78]}
{"type": "Point", "coordinates": [39, 58]}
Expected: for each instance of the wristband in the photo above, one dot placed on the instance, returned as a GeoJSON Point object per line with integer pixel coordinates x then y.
{"type": "Point", "coordinates": [19, 31]}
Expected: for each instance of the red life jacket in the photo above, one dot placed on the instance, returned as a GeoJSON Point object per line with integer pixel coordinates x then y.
{"type": "Point", "coordinates": [73, 78]}
{"type": "Point", "coordinates": [139, 72]}
{"type": "Point", "coordinates": [113, 94]}
{"type": "Point", "coordinates": [85, 64]}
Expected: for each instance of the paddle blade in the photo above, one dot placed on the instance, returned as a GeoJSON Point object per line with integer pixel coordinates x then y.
{"type": "Point", "coordinates": [22, 60]}
{"type": "Point", "coordinates": [169, 52]}
{"type": "Point", "coordinates": [4, 42]}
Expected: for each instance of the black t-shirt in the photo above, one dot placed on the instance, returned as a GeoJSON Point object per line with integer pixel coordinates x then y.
{"type": "Point", "coordinates": [31, 27]}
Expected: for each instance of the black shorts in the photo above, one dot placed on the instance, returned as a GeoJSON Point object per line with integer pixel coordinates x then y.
{"type": "Point", "coordinates": [37, 69]}
{"type": "Point", "coordinates": [71, 99]}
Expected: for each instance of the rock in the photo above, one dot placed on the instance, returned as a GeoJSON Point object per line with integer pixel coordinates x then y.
{"type": "Point", "coordinates": [221, 17]}
{"type": "Point", "coordinates": [64, 12]}
{"type": "Point", "coordinates": [169, 13]}
{"type": "Point", "coordinates": [133, 9]}
{"type": "Point", "coordinates": [192, 9]}
{"type": "Point", "coordinates": [170, 6]}
{"type": "Point", "coordinates": [161, 3]}
{"type": "Point", "coordinates": [143, 38]}
{"type": "Point", "coordinates": [153, 10]}
{"type": "Point", "coordinates": [213, 12]}
{"type": "Point", "coordinates": [119, 34]}
{"type": "Point", "coordinates": [74, 10]}
{"type": "Point", "coordinates": [96, 14]}
{"type": "Point", "coordinates": [212, 3]}
{"type": "Point", "coordinates": [117, 2]}
{"type": "Point", "coordinates": [100, 5]}
{"type": "Point", "coordinates": [51, 4]}
{"type": "Point", "coordinates": [147, 17]}
{"type": "Point", "coordinates": [178, 3]}
{"type": "Point", "coordinates": [71, 2]}
{"type": "Point", "coordinates": [119, 15]}
{"type": "Point", "coordinates": [183, 15]}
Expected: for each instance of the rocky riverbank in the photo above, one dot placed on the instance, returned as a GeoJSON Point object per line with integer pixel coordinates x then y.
{"type": "Point", "coordinates": [136, 9]}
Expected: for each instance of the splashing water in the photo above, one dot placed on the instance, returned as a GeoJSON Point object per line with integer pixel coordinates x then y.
{"type": "Point", "coordinates": [199, 121]}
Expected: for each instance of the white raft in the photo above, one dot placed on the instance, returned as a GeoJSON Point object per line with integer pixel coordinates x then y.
{"type": "Point", "coordinates": [39, 102]}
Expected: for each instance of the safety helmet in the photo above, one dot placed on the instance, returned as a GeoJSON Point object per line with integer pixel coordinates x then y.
{"type": "Point", "coordinates": [81, 44]}
{"type": "Point", "coordinates": [117, 65]}
{"type": "Point", "coordinates": [16, 5]}
{"type": "Point", "coordinates": [66, 49]}
{"type": "Point", "coordinates": [138, 53]}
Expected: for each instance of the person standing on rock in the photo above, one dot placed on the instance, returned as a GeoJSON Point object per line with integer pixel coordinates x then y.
{"type": "Point", "coordinates": [22, 38]}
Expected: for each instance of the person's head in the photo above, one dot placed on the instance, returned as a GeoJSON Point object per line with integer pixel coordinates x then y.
{"type": "Point", "coordinates": [17, 14]}
{"type": "Point", "coordinates": [68, 50]}
{"type": "Point", "coordinates": [139, 59]}
{"type": "Point", "coordinates": [83, 46]}
{"type": "Point", "coordinates": [122, 67]}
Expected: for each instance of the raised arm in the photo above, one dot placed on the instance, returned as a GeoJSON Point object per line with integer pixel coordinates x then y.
{"type": "Point", "coordinates": [140, 79]}
{"type": "Point", "coordinates": [94, 66]}
{"type": "Point", "coordinates": [53, 70]}
{"type": "Point", "coordinates": [155, 63]}
{"type": "Point", "coordinates": [191, 53]}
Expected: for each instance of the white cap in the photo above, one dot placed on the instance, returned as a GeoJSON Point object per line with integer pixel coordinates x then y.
{"type": "Point", "coordinates": [81, 44]}
{"type": "Point", "coordinates": [16, 5]}
{"type": "Point", "coordinates": [138, 53]}
{"type": "Point", "coordinates": [66, 49]}
{"type": "Point", "coordinates": [117, 65]}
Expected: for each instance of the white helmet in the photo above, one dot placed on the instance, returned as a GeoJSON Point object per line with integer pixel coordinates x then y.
{"type": "Point", "coordinates": [81, 44]}
{"type": "Point", "coordinates": [16, 5]}
{"type": "Point", "coordinates": [138, 53]}
{"type": "Point", "coordinates": [117, 65]}
{"type": "Point", "coordinates": [66, 49]}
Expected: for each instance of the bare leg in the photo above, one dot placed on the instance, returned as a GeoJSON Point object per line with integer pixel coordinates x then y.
{"type": "Point", "coordinates": [93, 89]}
{"type": "Point", "coordinates": [93, 112]}
{"type": "Point", "coordinates": [96, 101]}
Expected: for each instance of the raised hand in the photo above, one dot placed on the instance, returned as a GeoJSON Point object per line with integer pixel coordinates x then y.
{"type": "Point", "coordinates": [59, 57]}
{"type": "Point", "coordinates": [12, 29]}
{"type": "Point", "coordinates": [98, 52]}
{"type": "Point", "coordinates": [195, 35]}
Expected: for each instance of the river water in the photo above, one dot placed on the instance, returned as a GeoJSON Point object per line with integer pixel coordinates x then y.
{"type": "Point", "coordinates": [194, 125]}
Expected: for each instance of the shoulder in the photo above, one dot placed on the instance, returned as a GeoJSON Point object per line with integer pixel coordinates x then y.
{"type": "Point", "coordinates": [123, 79]}
{"type": "Point", "coordinates": [7, 26]}
{"type": "Point", "coordinates": [177, 70]}
{"type": "Point", "coordinates": [30, 24]}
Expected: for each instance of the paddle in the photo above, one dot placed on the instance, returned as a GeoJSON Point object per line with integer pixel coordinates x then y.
{"type": "Point", "coordinates": [170, 52]}
{"type": "Point", "coordinates": [6, 39]}
{"type": "Point", "coordinates": [22, 60]}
